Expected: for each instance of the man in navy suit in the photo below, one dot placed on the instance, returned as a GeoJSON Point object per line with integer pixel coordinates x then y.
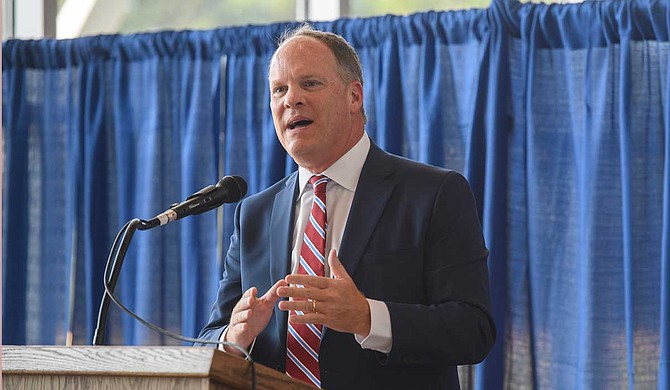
{"type": "Point", "coordinates": [405, 297]}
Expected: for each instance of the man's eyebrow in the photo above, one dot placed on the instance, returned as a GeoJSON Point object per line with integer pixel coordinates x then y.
{"type": "Point", "coordinates": [301, 78]}
{"type": "Point", "coordinates": [311, 76]}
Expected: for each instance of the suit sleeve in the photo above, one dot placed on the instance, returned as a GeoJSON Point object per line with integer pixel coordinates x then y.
{"type": "Point", "coordinates": [230, 287]}
{"type": "Point", "coordinates": [454, 326]}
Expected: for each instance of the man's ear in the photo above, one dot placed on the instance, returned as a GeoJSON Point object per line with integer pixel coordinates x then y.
{"type": "Point", "coordinates": [356, 96]}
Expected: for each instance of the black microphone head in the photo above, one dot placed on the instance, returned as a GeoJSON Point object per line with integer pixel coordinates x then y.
{"type": "Point", "coordinates": [236, 187]}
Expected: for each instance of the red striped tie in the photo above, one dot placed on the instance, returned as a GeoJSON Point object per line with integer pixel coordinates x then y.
{"type": "Point", "coordinates": [303, 341]}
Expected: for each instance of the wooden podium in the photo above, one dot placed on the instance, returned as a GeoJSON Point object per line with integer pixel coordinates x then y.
{"type": "Point", "coordinates": [107, 367]}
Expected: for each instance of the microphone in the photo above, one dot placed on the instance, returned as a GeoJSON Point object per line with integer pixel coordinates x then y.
{"type": "Point", "coordinates": [229, 189]}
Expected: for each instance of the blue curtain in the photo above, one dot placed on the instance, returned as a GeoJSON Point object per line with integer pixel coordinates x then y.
{"type": "Point", "coordinates": [558, 115]}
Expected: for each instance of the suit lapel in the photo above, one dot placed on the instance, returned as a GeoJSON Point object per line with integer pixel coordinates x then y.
{"type": "Point", "coordinates": [372, 193]}
{"type": "Point", "coordinates": [281, 234]}
{"type": "Point", "coordinates": [281, 228]}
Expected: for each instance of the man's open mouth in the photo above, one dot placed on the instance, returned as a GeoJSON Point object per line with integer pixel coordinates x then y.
{"type": "Point", "coordinates": [300, 123]}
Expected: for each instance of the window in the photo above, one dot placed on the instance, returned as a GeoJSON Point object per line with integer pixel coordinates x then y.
{"type": "Point", "coordinates": [75, 18]}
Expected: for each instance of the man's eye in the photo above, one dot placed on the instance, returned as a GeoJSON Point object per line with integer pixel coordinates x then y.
{"type": "Point", "coordinates": [278, 90]}
{"type": "Point", "coordinates": [311, 83]}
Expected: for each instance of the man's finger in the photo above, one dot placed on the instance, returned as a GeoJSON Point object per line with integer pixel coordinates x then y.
{"type": "Point", "coordinates": [246, 301]}
{"type": "Point", "coordinates": [311, 318]}
{"type": "Point", "coordinates": [303, 306]}
{"type": "Point", "coordinates": [307, 280]}
{"type": "Point", "coordinates": [301, 292]}
{"type": "Point", "coordinates": [250, 292]}
{"type": "Point", "coordinates": [336, 268]}
{"type": "Point", "coordinates": [271, 294]}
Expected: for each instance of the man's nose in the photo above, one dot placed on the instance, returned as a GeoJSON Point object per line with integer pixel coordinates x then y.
{"type": "Point", "coordinates": [293, 98]}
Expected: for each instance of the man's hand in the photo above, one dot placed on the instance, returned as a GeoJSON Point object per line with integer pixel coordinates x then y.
{"type": "Point", "coordinates": [339, 305]}
{"type": "Point", "coordinates": [250, 316]}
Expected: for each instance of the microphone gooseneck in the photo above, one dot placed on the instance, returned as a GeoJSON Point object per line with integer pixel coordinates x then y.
{"type": "Point", "coordinates": [229, 189]}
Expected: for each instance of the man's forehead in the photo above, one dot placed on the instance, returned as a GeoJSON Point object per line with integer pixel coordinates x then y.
{"type": "Point", "coordinates": [301, 45]}
{"type": "Point", "coordinates": [298, 53]}
{"type": "Point", "coordinates": [300, 42]}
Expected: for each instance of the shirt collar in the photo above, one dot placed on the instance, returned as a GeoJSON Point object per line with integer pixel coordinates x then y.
{"type": "Point", "coordinates": [346, 170]}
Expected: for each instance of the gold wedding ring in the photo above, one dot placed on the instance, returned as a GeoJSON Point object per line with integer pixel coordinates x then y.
{"type": "Point", "coordinates": [313, 306]}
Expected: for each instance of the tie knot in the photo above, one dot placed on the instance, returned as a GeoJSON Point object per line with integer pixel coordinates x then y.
{"type": "Point", "coordinates": [319, 183]}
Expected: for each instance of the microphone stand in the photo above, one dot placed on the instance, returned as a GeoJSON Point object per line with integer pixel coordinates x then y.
{"type": "Point", "coordinates": [229, 189]}
{"type": "Point", "coordinates": [116, 257]}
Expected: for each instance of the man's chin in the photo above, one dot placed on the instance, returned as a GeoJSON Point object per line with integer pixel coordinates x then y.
{"type": "Point", "coordinates": [299, 147]}
{"type": "Point", "coordinates": [306, 157]}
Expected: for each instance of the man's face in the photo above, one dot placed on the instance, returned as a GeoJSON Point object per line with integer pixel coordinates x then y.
{"type": "Point", "coordinates": [315, 113]}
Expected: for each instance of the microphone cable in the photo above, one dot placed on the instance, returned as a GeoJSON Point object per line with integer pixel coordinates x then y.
{"type": "Point", "coordinates": [116, 256]}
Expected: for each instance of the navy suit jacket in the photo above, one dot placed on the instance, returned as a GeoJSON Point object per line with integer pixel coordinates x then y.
{"type": "Point", "coordinates": [412, 240]}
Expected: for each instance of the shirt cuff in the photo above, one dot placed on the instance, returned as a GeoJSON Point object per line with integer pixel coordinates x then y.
{"type": "Point", "coordinates": [380, 337]}
{"type": "Point", "coordinates": [223, 339]}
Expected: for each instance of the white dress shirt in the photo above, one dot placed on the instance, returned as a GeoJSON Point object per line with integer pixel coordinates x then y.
{"type": "Point", "coordinates": [344, 175]}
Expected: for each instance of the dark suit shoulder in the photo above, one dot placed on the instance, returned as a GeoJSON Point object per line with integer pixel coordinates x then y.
{"type": "Point", "coordinates": [269, 193]}
{"type": "Point", "coordinates": [404, 171]}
